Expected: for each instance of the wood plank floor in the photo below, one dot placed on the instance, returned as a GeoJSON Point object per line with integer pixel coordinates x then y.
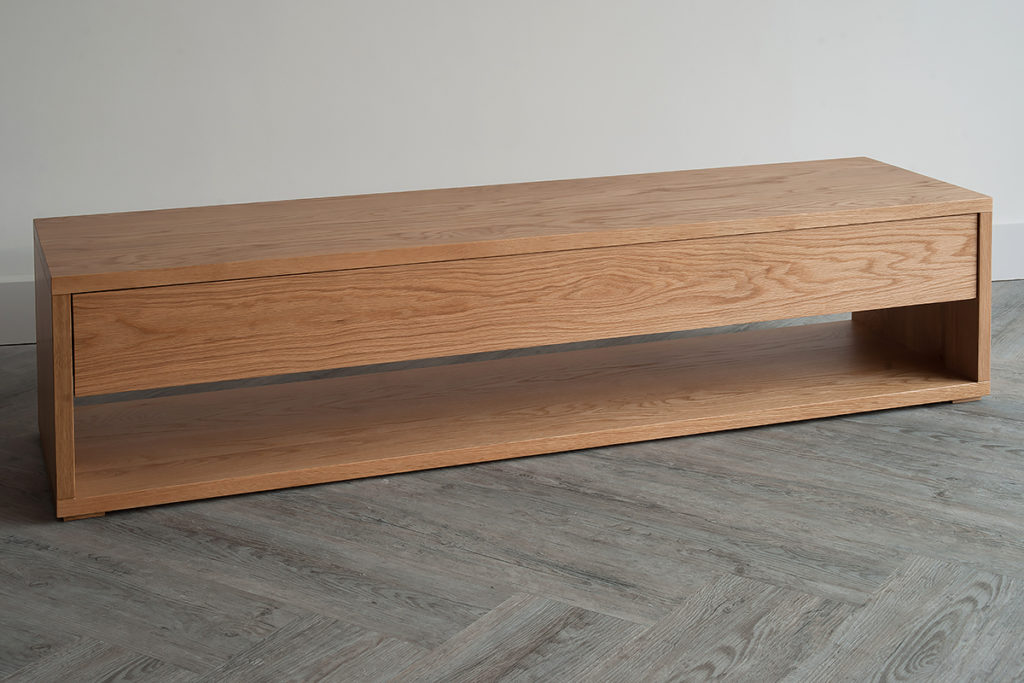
{"type": "Point", "coordinates": [883, 546]}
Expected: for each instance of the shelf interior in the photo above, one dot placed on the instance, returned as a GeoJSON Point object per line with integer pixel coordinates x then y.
{"type": "Point", "coordinates": [157, 450]}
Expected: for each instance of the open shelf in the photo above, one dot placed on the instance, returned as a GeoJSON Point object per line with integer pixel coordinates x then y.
{"type": "Point", "coordinates": [160, 450]}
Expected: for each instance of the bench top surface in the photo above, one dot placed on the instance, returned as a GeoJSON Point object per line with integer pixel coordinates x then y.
{"type": "Point", "coordinates": [201, 244]}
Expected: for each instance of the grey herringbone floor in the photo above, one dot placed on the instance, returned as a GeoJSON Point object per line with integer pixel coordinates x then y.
{"type": "Point", "coordinates": [883, 546]}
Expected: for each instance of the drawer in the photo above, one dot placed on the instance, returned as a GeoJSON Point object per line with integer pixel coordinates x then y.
{"type": "Point", "coordinates": [171, 335]}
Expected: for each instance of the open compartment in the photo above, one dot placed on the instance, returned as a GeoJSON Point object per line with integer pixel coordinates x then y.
{"type": "Point", "coordinates": [171, 448]}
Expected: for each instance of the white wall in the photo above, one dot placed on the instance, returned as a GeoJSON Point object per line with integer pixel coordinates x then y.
{"type": "Point", "coordinates": [112, 105]}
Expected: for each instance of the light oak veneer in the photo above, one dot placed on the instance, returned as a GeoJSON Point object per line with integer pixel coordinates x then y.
{"type": "Point", "coordinates": [163, 336]}
{"type": "Point", "coordinates": [163, 298]}
{"type": "Point", "coordinates": [172, 448]}
{"type": "Point", "coordinates": [178, 246]}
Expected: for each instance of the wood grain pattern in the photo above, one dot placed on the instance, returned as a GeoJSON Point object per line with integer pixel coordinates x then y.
{"type": "Point", "coordinates": [524, 638]}
{"type": "Point", "coordinates": [368, 586]}
{"type": "Point", "coordinates": [384, 278]}
{"type": "Point", "coordinates": [161, 336]}
{"type": "Point", "coordinates": [130, 609]}
{"type": "Point", "coordinates": [219, 443]}
{"type": "Point", "coordinates": [972, 346]}
{"type": "Point", "coordinates": [919, 328]}
{"type": "Point", "coordinates": [318, 649]}
{"type": "Point", "coordinates": [672, 519]}
{"type": "Point", "coordinates": [55, 381]}
{"type": "Point", "coordinates": [532, 551]}
{"type": "Point", "coordinates": [913, 629]}
{"type": "Point", "coordinates": [968, 323]}
{"type": "Point", "coordinates": [958, 332]}
{"type": "Point", "coordinates": [139, 249]}
{"type": "Point", "coordinates": [24, 641]}
{"type": "Point", "coordinates": [734, 629]}
{"type": "Point", "coordinates": [96, 661]}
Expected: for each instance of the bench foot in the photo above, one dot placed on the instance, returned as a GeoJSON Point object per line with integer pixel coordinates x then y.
{"type": "Point", "coordinates": [72, 518]}
{"type": "Point", "coordinates": [966, 400]}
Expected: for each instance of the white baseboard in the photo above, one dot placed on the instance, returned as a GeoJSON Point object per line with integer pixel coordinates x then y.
{"type": "Point", "coordinates": [17, 312]}
{"type": "Point", "coordinates": [17, 307]}
{"type": "Point", "coordinates": [1008, 252]}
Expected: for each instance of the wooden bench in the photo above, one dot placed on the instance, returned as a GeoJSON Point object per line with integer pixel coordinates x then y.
{"type": "Point", "coordinates": [137, 301]}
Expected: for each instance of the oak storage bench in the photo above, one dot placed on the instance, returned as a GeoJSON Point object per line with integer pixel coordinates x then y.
{"type": "Point", "coordinates": [138, 301]}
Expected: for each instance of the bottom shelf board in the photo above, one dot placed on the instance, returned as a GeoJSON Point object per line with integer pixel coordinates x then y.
{"type": "Point", "coordinates": [160, 450]}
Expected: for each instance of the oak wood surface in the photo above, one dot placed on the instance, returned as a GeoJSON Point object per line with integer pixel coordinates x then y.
{"type": "Point", "coordinates": [920, 328]}
{"type": "Point", "coordinates": [958, 332]}
{"type": "Point", "coordinates": [976, 349]}
{"type": "Point", "coordinates": [218, 443]}
{"type": "Point", "coordinates": [173, 246]}
{"type": "Point", "coordinates": [969, 322]}
{"type": "Point", "coordinates": [163, 336]}
{"type": "Point", "coordinates": [54, 372]}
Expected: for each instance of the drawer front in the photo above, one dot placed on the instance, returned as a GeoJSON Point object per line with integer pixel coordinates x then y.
{"type": "Point", "coordinates": [164, 336]}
